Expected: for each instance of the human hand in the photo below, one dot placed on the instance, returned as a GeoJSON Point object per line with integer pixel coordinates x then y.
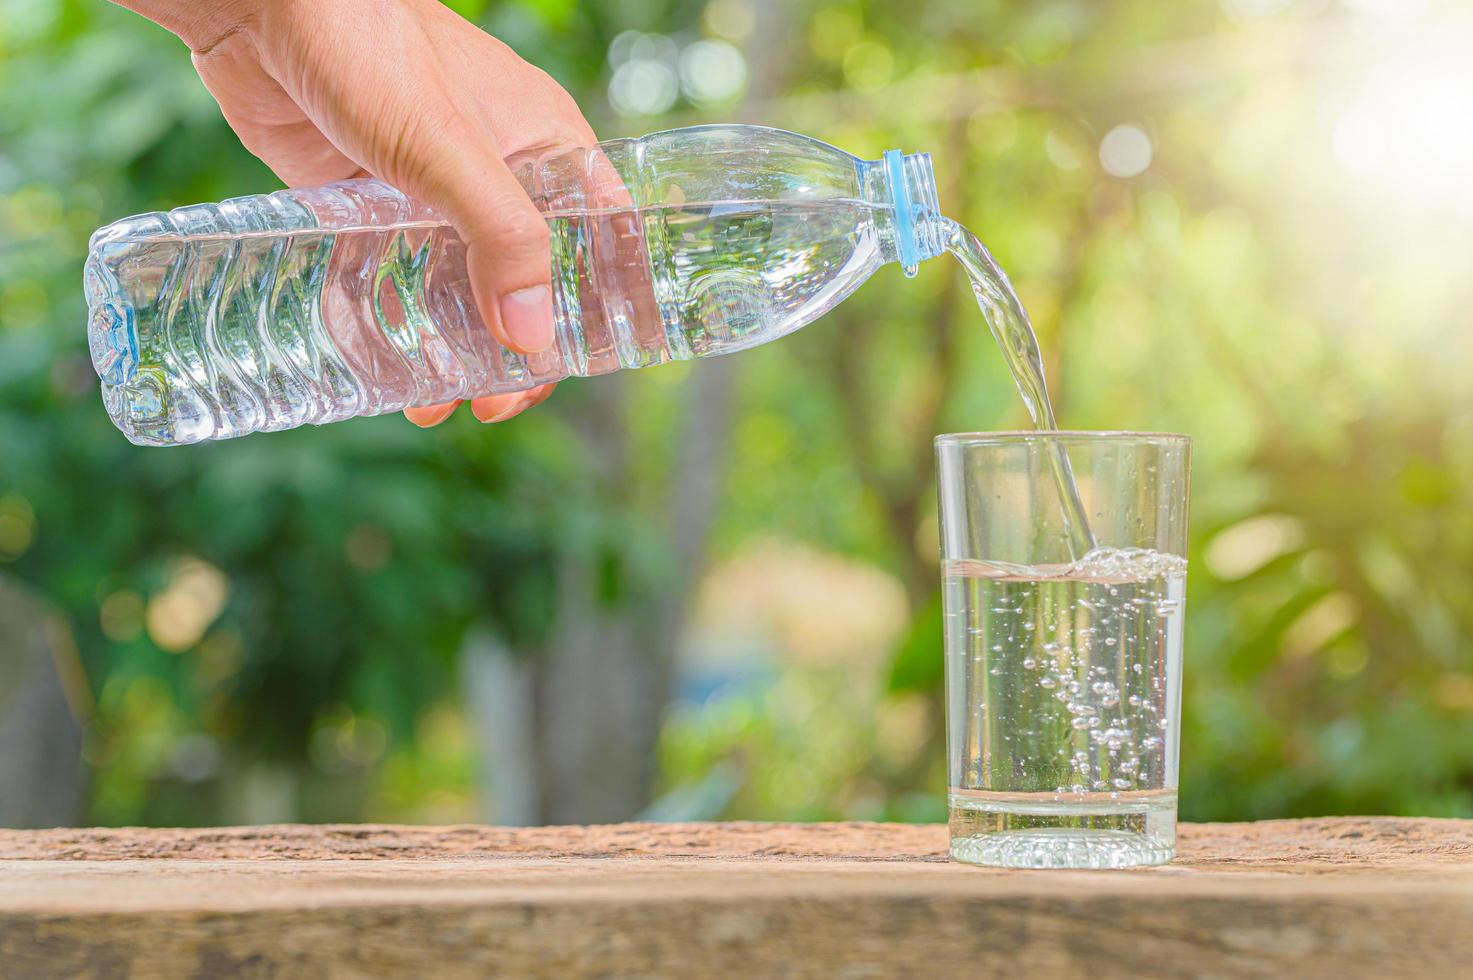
{"type": "Point", "coordinates": [408, 91]}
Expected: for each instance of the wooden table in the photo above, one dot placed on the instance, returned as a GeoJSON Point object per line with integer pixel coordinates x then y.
{"type": "Point", "coordinates": [1342, 897]}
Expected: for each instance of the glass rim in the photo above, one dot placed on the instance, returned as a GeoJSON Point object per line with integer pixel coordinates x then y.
{"type": "Point", "coordinates": [1023, 436]}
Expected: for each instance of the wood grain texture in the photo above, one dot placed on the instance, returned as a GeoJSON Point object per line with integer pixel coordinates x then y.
{"type": "Point", "coordinates": [1346, 897]}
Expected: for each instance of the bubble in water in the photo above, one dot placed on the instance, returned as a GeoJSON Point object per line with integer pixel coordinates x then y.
{"type": "Point", "coordinates": [1110, 641]}
{"type": "Point", "coordinates": [1080, 723]}
{"type": "Point", "coordinates": [1046, 681]}
{"type": "Point", "coordinates": [1121, 783]}
{"type": "Point", "coordinates": [1029, 663]}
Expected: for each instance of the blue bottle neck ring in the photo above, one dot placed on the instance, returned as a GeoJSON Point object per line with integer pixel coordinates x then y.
{"type": "Point", "coordinates": [918, 228]}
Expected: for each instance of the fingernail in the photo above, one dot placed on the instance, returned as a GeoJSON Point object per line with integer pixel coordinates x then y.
{"type": "Point", "coordinates": [435, 418]}
{"type": "Point", "coordinates": [527, 316]}
{"type": "Point", "coordinates": [499, 414]}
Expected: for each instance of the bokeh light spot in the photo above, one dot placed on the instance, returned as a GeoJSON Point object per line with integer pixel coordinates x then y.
{"type": "Point", "coordinates": [1125, 151]}
{"type": "Point", "coordinates": [868, 66]}
{"type": "Point", "coordinates": [712, 73]}
{"type": "Point", "coordinates": [121, 616]}
{"type": "Point", "coordinates": [17, 526]}
{"type": "Point", "coordinates": [643, 88]}
{"type": "Point", "coordinates": [178, 616]}
{"type": "Point", "coordinates": [731, 19]}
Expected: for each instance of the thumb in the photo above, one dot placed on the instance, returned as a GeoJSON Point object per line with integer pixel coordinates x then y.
{"type": "Point", "coordinates": [506, 239]}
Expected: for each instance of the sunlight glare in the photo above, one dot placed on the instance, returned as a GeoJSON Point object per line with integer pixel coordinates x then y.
{"type": "Point", "coordinates": [1412, 126]}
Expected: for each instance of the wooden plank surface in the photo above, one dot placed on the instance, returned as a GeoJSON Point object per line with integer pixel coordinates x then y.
{"type": "Point", "coordinates": [1346, 897]}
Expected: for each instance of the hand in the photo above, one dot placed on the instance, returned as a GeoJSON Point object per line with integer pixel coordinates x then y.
{"type": "Point", "coordinates": [408, 91]}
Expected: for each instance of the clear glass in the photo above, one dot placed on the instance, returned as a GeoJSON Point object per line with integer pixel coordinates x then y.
{"type": "Point", "coordinates": [1063, 674]}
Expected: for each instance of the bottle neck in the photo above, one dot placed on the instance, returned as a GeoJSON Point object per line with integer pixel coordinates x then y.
{"type": "Point", "coordinates": [905, 185]}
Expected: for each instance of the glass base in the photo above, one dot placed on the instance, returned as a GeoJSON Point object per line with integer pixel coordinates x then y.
{"type": "Point", "coordinates": [1044, 830]}
{"type": "Point", "coordinates": [1061, 849]}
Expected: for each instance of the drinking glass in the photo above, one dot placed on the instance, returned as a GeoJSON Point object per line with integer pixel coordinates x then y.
{"type": "Point", "coordinates": [1063, 669]}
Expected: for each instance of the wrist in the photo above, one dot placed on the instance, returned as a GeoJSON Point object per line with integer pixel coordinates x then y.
{"type": "Point", "coordinates": [200, 25]}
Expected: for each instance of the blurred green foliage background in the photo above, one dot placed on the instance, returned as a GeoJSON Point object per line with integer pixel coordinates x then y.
{"type": "Point", "coordinates": [710, 590]}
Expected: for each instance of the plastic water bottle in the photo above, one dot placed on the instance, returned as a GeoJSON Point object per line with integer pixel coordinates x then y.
{"type": "Point", "coordinates": [267, 312]}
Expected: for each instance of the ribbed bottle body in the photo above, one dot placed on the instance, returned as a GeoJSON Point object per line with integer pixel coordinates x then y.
{"type": "Point", "coordinates": [315, 305]}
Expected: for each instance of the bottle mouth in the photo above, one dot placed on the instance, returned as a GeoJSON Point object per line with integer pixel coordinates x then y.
{"type": "Point", "coordinates": [917, 213]}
